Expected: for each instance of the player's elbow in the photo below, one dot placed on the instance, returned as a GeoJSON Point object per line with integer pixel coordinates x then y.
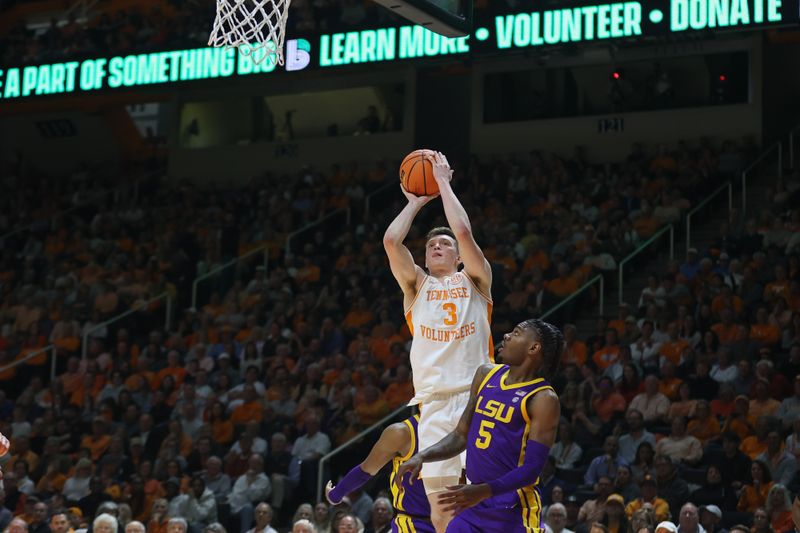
{"type": "Point", "coordinates": [390, 241]}
{"type": "Point", "coordinates": [462, 231]}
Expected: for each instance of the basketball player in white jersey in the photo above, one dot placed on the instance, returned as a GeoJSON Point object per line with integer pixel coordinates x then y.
{"type": "Point", "coordinates": [448, 312]}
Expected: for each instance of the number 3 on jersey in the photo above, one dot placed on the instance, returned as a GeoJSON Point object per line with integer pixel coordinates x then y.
{"type": "Point", "coordinates": [452, 318]}
{"type": "Point", "coordinates": [485, 437]}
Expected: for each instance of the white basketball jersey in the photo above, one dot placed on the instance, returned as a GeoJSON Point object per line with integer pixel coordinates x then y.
{"type": "Point", "coordinates": [449, 320]}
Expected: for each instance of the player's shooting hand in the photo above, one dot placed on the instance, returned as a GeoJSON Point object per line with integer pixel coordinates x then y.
{"type": "Point", "coordinates": [413, 465]}
{"type": "Point", "coordinates": [460, 497]}
{"type": "Point", "coordinates": [419, 201]}
{"type": "Point", "coordinates": [441, 168]}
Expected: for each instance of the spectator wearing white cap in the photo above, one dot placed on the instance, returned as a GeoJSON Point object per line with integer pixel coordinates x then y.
{"type": "Point", "coordinates": [710, 517]}
{"type": "Point", "coordinates": [666, 527]}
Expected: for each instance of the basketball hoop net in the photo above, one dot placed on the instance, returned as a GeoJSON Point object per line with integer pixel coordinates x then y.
{"type": "Point", "coordinates": [256, 27]}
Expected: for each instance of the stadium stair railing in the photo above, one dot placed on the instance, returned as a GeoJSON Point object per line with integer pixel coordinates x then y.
{"type": "Point", "coordinates": [264, 248]}
{"type": "Point", "coordinates": [776, 147]}
{"type": "Point", "coordinates": [135, 309]}
{"type": "Point", "coordinates": [52, 348]}
{"type": "Point", "coordinates": [642, 247]}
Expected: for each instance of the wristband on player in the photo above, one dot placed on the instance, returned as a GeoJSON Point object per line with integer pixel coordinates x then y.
{"type": "Point", "coordinates": [353, 480]}
{"type": "Point", "coordinates": [526, 474]}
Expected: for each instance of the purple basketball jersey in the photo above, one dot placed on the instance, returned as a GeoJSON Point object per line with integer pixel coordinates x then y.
{"type": "Point", "coordinates": [497, 439]}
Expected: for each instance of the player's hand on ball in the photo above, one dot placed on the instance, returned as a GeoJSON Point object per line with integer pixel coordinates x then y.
{"type": "Point", "coordinates": [460, 497]}
{"type": "Point", "coordinates": [4, 445]}
{"type": "Point", "coordinates": [441, 168]}
{"type": "Point", "coordinates": [413, 465]}
{"type": "Point", "coordinates": [418, 200]}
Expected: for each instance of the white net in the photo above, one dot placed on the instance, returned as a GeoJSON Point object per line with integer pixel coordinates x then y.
{"type": "Point", "coordinates": [256, 27]}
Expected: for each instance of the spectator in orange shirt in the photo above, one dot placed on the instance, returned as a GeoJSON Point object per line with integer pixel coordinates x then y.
{"type": "Point", "coordinates": [727, 331]}
{"type": "Point", "coordinates": [762, 332]}
{"type": "Point", "coordinates": [173, 369]}
{"type": "Point", "coordinates": [726, 300]}
{"type": "Point", "coordinates": [372, 408]}
{"type": "Point", "coordinates": [607, 402]}
{"type": "Point", "coordinates": [359, 316]}
{"type": "Point", "coordinates": [563, 285]}
{"type": "Point", "coordinates": [609, 353]}
{"type": "Point", "coordinates": [619, 322]}
{"type": "Point", "coordinates": [221, 426]}
{"type": "Point", "coordinates": [401, 390]}
{"type": "Point", "coordinates": [778, 288]}
{"type": "Point", "coordinates": [755, 445]}
{"type": "Point", "coordinates": [672, 349]}
{"type": "Point", "coordinates": [703, 426]}
{"type": "Point", "coordinates": [99, 440]}
{"type": "Point", "coordinates": [763, 404]}
{"type": "Point", "coordinates": [249, 409]}
{"type": "Point", "coordinates": [574, 349]}
{"type": "Point", "coordinates": [670, 384]}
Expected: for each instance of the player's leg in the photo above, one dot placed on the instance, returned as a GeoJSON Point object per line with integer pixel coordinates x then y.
{"type": "Point", "coordinates": [460, 525]}
{"type": "Point", "coordinates": [437, 419]}
{"type": "Point", "coordinates": [434, 486]}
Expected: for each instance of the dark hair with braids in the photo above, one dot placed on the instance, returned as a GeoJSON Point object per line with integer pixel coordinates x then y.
{"type": "Point", "coordinates": [552, 341]}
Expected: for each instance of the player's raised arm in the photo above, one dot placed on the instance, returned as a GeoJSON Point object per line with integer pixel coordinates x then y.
{"type": "Point", "coordinates": [404, 270]}
{"type": "Point", "coordinates": [475, 263]}
{"type": "Point", "coordinates": [395, 440]}
{"type": "Point", "coordinates": [454, 443]}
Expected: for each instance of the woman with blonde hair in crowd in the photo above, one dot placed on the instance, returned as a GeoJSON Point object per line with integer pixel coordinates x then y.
{"type": "Point", "coordinates": [779, 508]}
{"type": "Point", "coordinates": [105, 523]}
{"type": "Point", "coordinates": [158, 517]}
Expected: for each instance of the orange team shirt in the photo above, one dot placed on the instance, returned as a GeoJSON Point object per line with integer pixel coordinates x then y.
{"type": "Point", "coordinates": [739, 427]}
{"type": "Point", "coordinates": [369, 413]}
{"type": "Point", "coordinates": [619, 325]}
{"type": "Point", "coordinates": [140, 380]}
{"type": "Point", "coordinates": [672, 350]}
{"type": "Point", "coordinates": [669, 387]}
{"type": "Point", "coordinates": [646, 226]}
{"type": "Point", "coordinates": [398, 394]}
{"type": "Point", "coordinates": [727, 335]}
{"type": "Point", "coordinates": [704, 430]}
{"type": "Point", "coordinates": [752, 498]}
{"type": "Point", "coordinates": [357, 318]}
{"type": "Point", "coordinates": [562, 287]}
{"type": "Point", "coordinates": [538, 260]}
{"type": "Point", "coordinates": [766, 408]}
{"type": "Point", "coordinates": [752, 447]}
{"type": "Point", "coordinates": [246, 412]}
{"type": "Point", "coordinates": [605, 357]}
{"type": "Point", "coordinates": [575, 354]}
{"type": "Point", "coordinates": [222, 431]}
{"type": "Point", "coordinates": [777, 289]}
{"type": "Point", "coordinates": [606, 407]}
{"type": "Point", "coordinates": [97, 446]}
{"type": "Point", "coordinates": [767, 333]}
{"type": "Point", "coordinates": [177, 373]}
{"type": "Point", "coordinates": [719, 303]}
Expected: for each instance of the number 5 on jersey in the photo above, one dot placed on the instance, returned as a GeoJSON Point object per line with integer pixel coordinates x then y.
{"type": "Point", "coordinates": [484, 437]}
{"type": "Point", "coordinates": [452, 318]}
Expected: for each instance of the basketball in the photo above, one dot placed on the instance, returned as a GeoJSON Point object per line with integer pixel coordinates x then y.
{"type": "Point", "coordinates": [416, 174]}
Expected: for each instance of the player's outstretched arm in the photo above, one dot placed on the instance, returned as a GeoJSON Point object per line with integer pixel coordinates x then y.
{"type": "Point", "coordinates": [475, 263]}
{"type": "Point", "coordinates": [404, 270]}
{"type": "Point", "coordinates": [544, 411]}
{"type": "Point", "coordinates": [395, 440]}
{"type": "Point", "coordinates": [454, 443]}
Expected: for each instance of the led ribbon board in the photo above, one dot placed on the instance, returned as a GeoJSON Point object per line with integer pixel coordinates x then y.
{"type": "Point", "coordinates": [572, 22]}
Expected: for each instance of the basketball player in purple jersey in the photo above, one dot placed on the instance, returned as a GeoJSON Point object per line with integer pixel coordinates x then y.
{"type": "Point", "coordinates": [448, 312]}
{"type": "Point", "coordinates": [507, 430]}
{"type": "Point", "coordinates": [397, 443]}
